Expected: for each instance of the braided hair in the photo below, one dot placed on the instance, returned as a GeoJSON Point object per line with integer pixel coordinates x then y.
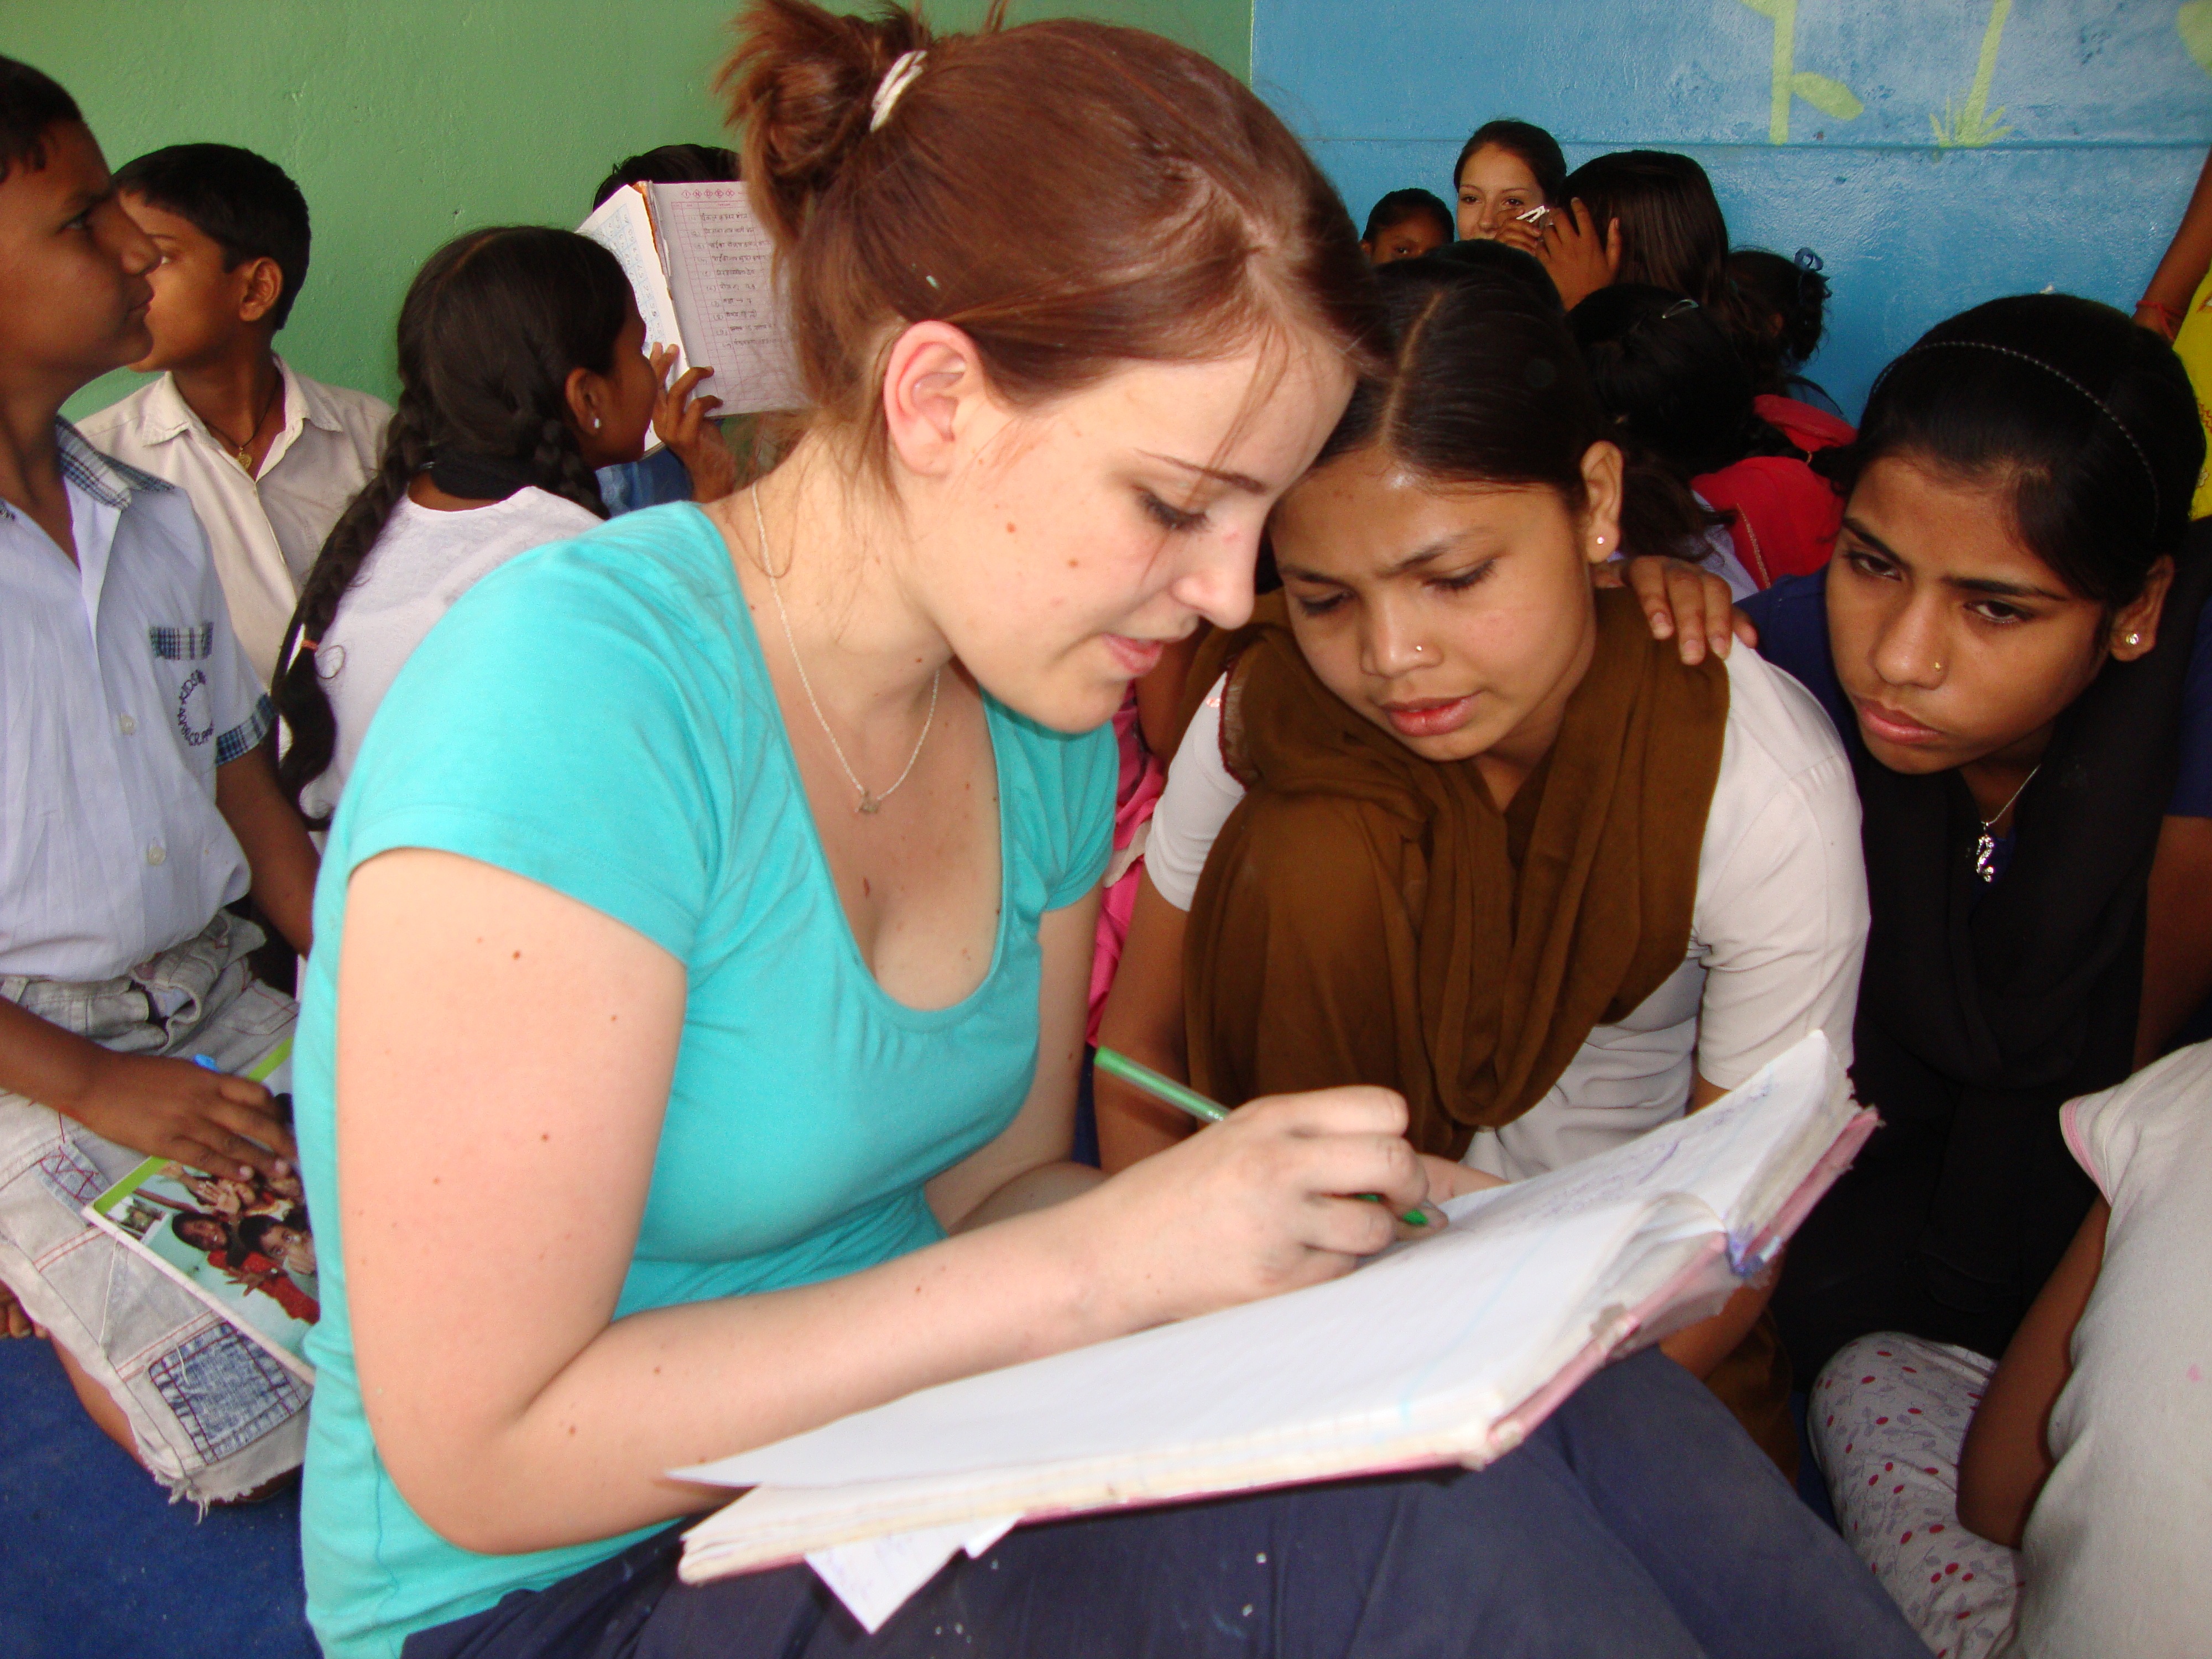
{"type": "Point", "coordinates": [491, 328]}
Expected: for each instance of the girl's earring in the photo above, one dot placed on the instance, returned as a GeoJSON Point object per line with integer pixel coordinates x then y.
{"type": "Point", "coordinates": [2135, 639]}
{"type": "Point", "coordinates": [595, 423]}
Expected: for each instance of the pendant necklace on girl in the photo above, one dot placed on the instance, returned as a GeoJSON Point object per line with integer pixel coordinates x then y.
{"type": "Point", "coordinates": [1986, 849]}
{"type": "Point", "coordinates": [869, 802]}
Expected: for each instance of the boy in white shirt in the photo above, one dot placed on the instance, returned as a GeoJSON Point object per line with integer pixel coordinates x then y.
{"type": "Point", "coordinates": [268, 456]}
{"type": "Point", "coordinates": [141, 799]}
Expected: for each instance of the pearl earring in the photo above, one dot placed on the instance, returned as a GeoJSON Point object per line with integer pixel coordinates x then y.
{"type": "Point", "coordinates": [595, 423]}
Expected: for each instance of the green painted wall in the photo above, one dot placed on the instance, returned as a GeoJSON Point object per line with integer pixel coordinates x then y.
{"type": "Point", "coordinates": [406, 121]}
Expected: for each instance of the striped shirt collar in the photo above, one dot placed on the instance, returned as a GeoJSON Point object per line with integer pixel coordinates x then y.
{"type": "Point", "coordinates": [103, 478]}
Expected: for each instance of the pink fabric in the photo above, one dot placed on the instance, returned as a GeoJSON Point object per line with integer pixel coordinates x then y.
{"type": "Point", "coordinates": [1143, 777]}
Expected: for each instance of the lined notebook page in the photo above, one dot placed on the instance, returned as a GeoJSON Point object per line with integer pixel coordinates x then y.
{"type": "Point", "coordinates": [1412, 1358]}
{"type": "Point", "coordinates": [720, 263]}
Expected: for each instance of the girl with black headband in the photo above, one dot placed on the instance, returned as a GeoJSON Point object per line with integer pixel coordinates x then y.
{"type": "Point", "coordinates": [2008, 640]}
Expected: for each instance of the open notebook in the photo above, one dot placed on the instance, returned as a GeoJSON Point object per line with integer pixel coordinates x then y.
{"type": "Point", "coordinates": [1447, 1350]}
{"type": "Point", "coordinates": [702, 269]}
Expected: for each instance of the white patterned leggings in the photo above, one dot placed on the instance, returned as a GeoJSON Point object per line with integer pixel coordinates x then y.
{"type": "Point", "coordinates": [1887, 1417]}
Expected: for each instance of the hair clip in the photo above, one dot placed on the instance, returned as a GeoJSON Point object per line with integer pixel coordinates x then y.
{"type": "Point", "coordinates": [896, 79]}
{"type": "Point", "coordinates": [1681, 306]}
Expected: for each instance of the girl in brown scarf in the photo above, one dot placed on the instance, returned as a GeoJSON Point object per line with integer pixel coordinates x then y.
{"type": "Point", "coordinates": [1467, 830]}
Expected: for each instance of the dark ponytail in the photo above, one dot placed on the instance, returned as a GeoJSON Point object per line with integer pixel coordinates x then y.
{"type": "Point", "coordinates": [1485, 385]}
{"type": "Point", "coordinates": [490, 330]}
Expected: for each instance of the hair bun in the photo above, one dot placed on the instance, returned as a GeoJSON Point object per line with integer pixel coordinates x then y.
{"type": "Point", "coordinates": [802, 85]}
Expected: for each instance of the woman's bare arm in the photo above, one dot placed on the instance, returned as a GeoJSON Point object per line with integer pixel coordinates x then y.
{"type": "Point", "coordinates": [504, 1059]}
{"type": "Point", "coordinates": [2006, 1455]}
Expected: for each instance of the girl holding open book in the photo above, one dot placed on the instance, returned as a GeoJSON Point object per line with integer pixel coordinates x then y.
{"type": "Point", "coordinates": [692, 1040]}
{"type": "Point", "coordinates": [1451, 821]}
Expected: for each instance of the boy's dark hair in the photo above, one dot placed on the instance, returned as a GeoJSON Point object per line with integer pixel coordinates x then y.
{"type": "Point", "coordinates": [253, 1231]}
{"type": "Point", "coordinates": [671, 164]}
{"type": "Point", "coordinates": [31, 104]}
{"type": "Point", "coordinates": [2086, 422]}
{"type": "Point", "coordinates": [245, 202]}
{"type": "Point", "coordinates": [1670, 376]}
{"type": "Point", "coordinates": [1538, 151]}
{"type": "Point", "coordinates": [490, 330]}
{"type": "Point", "coordinates": [1484, 387]}
{"type": "Point", "coordinates": [1401, 205]}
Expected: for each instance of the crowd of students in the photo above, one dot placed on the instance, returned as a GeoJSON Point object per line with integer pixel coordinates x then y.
{"type": "Point", "coordinates": [1310, 662]}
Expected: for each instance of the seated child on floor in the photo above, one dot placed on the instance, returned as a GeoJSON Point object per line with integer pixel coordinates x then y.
{"type": "Point", "coordinates": [141, 801]}
{"type": "Point", "coordinates": [268, 457]}
{"type": "Point", "coordinates": [2073, 1520]}
{"type": "Point", "coordinates": [1405, 225]}
{"type": "Point", "coordinates": [1448, 820]}
{"type": "Point", "coordinates": [522, 372]}
{"type": "Point", "coordinates": [1668, 372]}
{"type": "Point", "coordinates": [694, 463]}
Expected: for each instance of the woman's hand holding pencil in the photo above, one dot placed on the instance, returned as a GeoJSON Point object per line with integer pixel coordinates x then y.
{"type": "Point", "coordinates": [1270, 1200]}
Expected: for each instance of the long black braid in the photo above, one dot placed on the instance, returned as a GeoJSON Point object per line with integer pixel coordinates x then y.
{"type": "Point", "coordinates": [491, 329]}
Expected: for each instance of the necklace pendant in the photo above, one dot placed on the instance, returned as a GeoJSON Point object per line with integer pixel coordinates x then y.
{"type": "Point", "coordinates": [870, 804]}
{"type": "Point", "coordinates": [1985, 856]}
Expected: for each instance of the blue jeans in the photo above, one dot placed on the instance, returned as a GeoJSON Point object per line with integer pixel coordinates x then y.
{"type": "Point", "coordinates": [1638, 1521]}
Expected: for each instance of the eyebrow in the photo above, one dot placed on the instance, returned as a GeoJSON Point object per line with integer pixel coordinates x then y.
{"type": "Point", "coordinates": [1989, 585]}
{"type": "Point", "coordinates": [1413, 561]}
{"type": "Point", "coordinates": [1248, 484]}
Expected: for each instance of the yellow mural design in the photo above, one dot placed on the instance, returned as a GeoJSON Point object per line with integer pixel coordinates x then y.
{"type": "Point", "coordinates": [1976, 124]}
{"type": "Point", "coordinates": [2194, 22]}
{"type": "Point", "coordinates": [1830, 97]}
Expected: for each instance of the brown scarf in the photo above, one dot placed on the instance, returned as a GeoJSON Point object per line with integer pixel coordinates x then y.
{"type": "Point", "coordinates": [1369, 916]}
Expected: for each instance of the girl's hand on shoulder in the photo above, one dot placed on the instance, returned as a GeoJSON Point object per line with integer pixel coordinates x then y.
{"type": "Point", "coordinates": [1684, 602]}
{"type": "Point", "coordinates": [1266, 1202]}
{"type": "Point", "coordinates": [1580, 259]}
{"type": "Point", "coordinates": [684, 424]}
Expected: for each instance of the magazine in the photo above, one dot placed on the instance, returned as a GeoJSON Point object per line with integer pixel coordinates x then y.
{"type": "Point", "coordinates": [241, 1246]}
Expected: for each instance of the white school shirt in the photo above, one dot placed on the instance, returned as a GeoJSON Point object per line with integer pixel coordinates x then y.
{"type": "Point", "coordinates": [2120, 1538]}
{"type": "Point", "coordinates": [122, 689]}
{"type": "Point", "coordinates": [1777, 933]}
{"type": "Point", "coordinates": [266, 530]}
{"type": "Point", "coordinates": [420, 565]}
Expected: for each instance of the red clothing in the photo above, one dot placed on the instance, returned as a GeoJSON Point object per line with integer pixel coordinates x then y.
{"type": "Point", "coordinates": [1809, 427]}
{"type": "Point", "coordinates": [280, 1289]}
{"type": "Point", "coordinates": [1786, 515]}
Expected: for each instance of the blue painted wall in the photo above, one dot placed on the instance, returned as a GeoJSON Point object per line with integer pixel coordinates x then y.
{"type": "Point", "coordinates": [2093, 119]}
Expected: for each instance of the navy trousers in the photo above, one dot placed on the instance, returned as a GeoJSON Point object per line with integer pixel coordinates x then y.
{"type": "Point", "coordinates": [1639, 1520]}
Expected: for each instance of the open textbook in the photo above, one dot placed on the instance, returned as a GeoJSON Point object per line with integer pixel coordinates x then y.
{"type": "Point", "coordinates": [241, 1246]}
{"type": "Point", "coordinates": [1446, 1350]}
{"type": "Point", "coordinates": [702, 268]}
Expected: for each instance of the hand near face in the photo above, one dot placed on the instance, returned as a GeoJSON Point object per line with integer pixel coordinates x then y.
{"type": "Point", "coordinates": [685, 424]}
{"type": "Point", "coordinates": [1579, 259]}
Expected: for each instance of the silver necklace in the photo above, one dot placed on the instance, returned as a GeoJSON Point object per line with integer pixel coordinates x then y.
{"type": "Point", "coordinates": [869, 802]}
{"type": "Point", "coordinates": [1986, 849]}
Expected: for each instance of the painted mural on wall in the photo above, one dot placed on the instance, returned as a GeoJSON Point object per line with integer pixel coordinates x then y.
{"type": "Point", "coordinates": [1935, 152]}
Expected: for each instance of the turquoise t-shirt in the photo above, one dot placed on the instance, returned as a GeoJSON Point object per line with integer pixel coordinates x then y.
{"type": "Point", "coordinates": [596, 715]}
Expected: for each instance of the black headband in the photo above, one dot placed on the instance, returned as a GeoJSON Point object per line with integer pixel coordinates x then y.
{"type": "Point", "coordinates": [2103, 407]}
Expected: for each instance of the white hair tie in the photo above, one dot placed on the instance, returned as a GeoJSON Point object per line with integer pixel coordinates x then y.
{"type": "Point", "coordinates": [896, 79]}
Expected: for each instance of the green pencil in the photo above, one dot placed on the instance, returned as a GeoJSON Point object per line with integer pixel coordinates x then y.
{"type": "Point", "coordinates": [1138, 1076]}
